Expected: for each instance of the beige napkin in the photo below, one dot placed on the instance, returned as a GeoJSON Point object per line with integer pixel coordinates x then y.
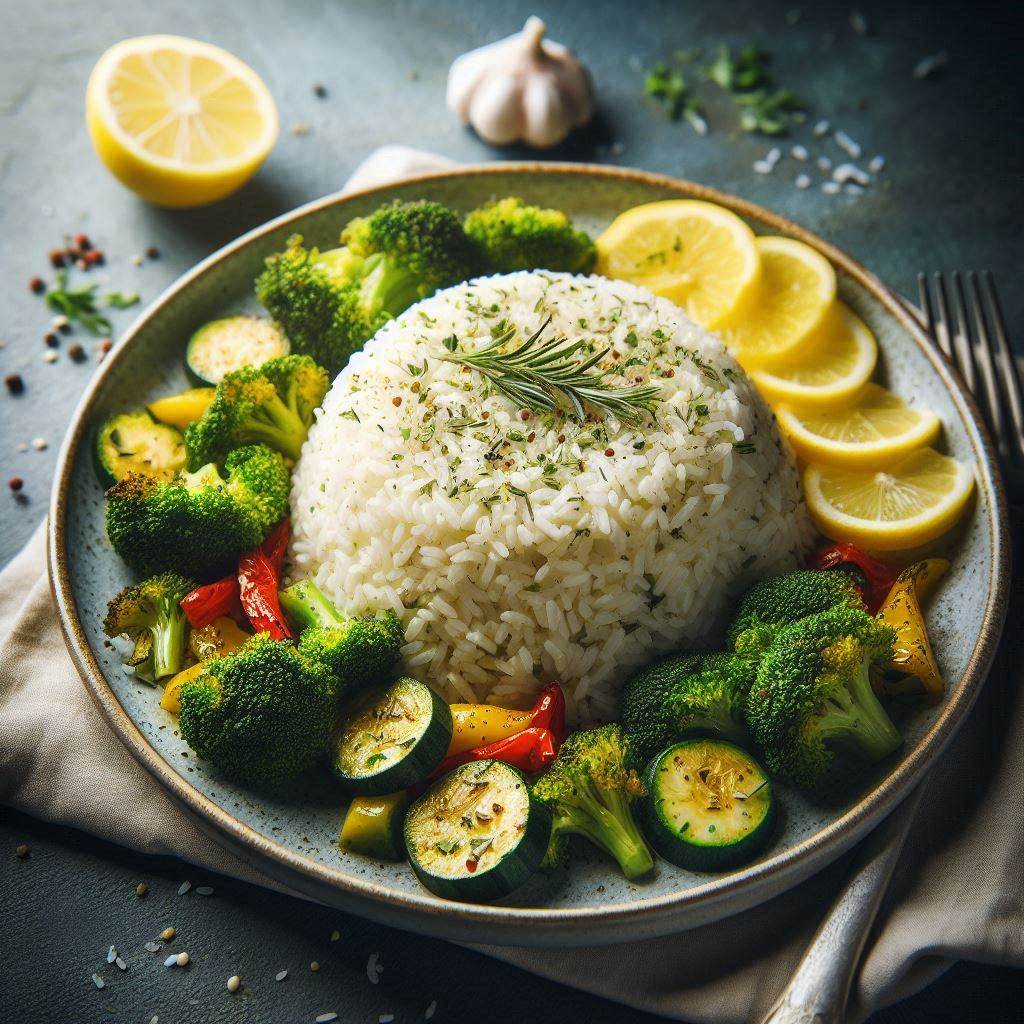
{"type": "Point", "coordinates": [958, 892]}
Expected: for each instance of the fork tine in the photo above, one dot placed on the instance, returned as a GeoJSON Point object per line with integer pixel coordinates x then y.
{"type": "Point", "coordinates": [961, 339]}
{"type": "Point", "coordinates": [1009, 376]}
{"type": "Point", "coordinates": [926, 304]}
{"type": "Point", "coordinates": [943, 321]}
{"type": "Point", "coordinates": [982, 345]}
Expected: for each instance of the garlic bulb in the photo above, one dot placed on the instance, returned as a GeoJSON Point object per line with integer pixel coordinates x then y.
{"type": "Point", "coordinates": [523, 88]}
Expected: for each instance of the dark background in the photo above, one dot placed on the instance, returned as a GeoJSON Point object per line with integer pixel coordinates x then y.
{"type": "Point", "coordinates": [950, 197]}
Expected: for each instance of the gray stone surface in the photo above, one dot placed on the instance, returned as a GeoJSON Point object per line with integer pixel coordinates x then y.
{"type": "Point", "coordinates": [950, 197]}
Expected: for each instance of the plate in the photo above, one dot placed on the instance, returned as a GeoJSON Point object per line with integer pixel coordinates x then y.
{"type": "Point", "coordinates": [296, 842]}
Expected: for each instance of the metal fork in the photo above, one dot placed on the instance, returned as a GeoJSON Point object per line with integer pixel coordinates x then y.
{"type": "Point", "coordinates": [967, 326]}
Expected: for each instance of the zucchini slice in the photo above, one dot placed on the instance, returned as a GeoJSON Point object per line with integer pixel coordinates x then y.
{"type": "Point", "coordinates": [373, 826]}
{"type": "Point", "coordinates": [710, 805]}
{"type": "Point", "coordinates": [478, 834]}
{"type": "Point", "coordinates": [391, 737]}
{"type": "Point", "coordinates": [133, 442]}
{"type": "Point", "coordinates": [229, 344]}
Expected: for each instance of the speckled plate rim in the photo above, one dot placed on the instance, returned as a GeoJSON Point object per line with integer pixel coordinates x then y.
{"type": "Point", "coordinates": [621, 921]}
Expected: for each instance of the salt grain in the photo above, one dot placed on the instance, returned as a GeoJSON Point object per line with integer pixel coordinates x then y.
{"type": "Point", "coordinates": [820, 129]}
{"type": "Point", "coordinates": [431, 1010]}
{"type": "Point", "coordinates": [373, 968]}
{"type": "Point", "coordinates": [877, 164]}
{"type": "Point", "coordinates": [831, 188]}
{"type": "Point", "coordinates": [847, 145]}
{"type": "Point", "coordinates": [326, 1018]}
{"type": "Point", "coordinates": [802, 181]}
{"type": "Point", "coordinates": [184, 888]}
{"type": "Point", "coordinates": [204, 890]}
{"type": "Point", "coordinates": [773, 156]}
{"type": "Point", "coordinates": [799, 152]}
{"type": "Point", "coordinates": [280, 976]}
{"type": "Point", "coordinates": [120, 963]}
{"type": "Point", "coordinates": [136, 260]}
{"type": "Point", "coordinates": [111, 955]}
{"type": "Point", "coordinates": [850, 172]}
{"type": "Point", "coordinates": [853, 189]}
{"type": "Point", "coordinates": [824, 164]}
{"type": "Point", "coordinates": [49, 356]}
{"type": "Point", "coordinates": [98, 981]}
{"type": "Point", "coordinates": [152, 947]}
{"type": "Point", "coordinates": [762, 167]}
{"type": "Point", "coordinates": [931, 65]}
{"type": "Point", "coordinates": [171, 961]}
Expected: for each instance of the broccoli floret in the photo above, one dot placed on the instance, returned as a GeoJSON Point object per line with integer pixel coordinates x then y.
{"type": "Point", "coordinates": [358, 651]}
{"type": "Point", "coordinates": [330, 303]}
{"type": "Point", "coordinates": [149, 614]}
{"type": "Point", "coordinates": [271, 404]}
{"type": "Point", "coordinates": [516, 236]}
{"type": "Point", "coordinates": [780, 601]}
{"type": "Point", "coordinates": [685, 695]}
{"type": "Point", "coordinates": [198, 523]}
{"type": "Point", "coordinates": [589, 790]}
{"type": "Point", "coordinates": [813, 692]}
{"type": "Point", "coordinates": [261, 715]}
{"type": "Point", "coordinates": [315, 298]}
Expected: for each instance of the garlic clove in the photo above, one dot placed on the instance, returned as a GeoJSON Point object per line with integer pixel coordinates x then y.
{"type": "Point", "coordinates": [495, 111]}
{"type": "Point", "coordinates": [546, 118]}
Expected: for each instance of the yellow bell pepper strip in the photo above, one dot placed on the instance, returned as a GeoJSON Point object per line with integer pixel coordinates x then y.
{"type": "Point", "coordinates": [220, 637]}
{"type": "Point", "coordinates": [902, 611]}
{"type": "Point", "coordinates": [373, 826]}
{"type": "Point", "coordinates": [181, 410]}
{"type": "Point", "coordinates": [477, 725]}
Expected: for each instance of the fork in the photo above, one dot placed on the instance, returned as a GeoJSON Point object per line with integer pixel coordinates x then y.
{"type": "Point", "coordinates": [968, 328]}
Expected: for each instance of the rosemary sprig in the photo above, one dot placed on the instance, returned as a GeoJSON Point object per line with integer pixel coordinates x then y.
{"type": "Point", "coordinates": [536, 373]}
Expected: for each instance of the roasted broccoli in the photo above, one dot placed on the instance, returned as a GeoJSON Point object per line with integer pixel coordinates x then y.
{"type": "Point", "coordinates": [330, 303]}
{"type": "Point", "coordinates": [589, 790]}
{"type": "Point", "coordinates": [513, 235]}
{"type": "Point", "coordinates": [813, 692]}
{"type": "Point", "coordinates": [358, 651]}
{"type": "Point", "coordinates": [149, 614]}
{"type": "Point", "coordinates": [780, 601]}
{"type": "Point", "coordinates": [271, 404]}
{"type": "Point", "coordinates": [198, 523]}
{"type": "Point", "coordinates": [261, 715]}
{"type": "Point", "coordinates": [685, 695]}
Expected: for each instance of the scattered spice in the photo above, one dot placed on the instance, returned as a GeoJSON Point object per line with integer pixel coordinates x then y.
{"type": "Point", "coordinates": [37, 285]}
{"type": "Point", "coordinates": [76, 352]}
{"type": "Point", "coordinates": [609, 452]}
{"type": "Point", "coordinates": [152, 252]}
{"type": "Point", "coordinates": [396, 401]}
{"type": "Point", "coordinates": [77, 304]}
{"type": "Point", "coordinates": [182, 959]}
{"type": "Point", "coordinates": [167, 934]}
{"type": "Point", "coordinates": [320, 91]}
{"type": "Point", "coordinates": [15, 384]}
{"type": "Point", "coordinates": [335, 935]}
{"type": "Point", "coordinates": [234, 983]}
{"type": "Point", "coordinates": [314, 965]}
{"type": "Point", "coordinates": [141, 890]}
{"type": "Point", "coordinates": [40, 444]}
{"type": "Point", "coordinates": [49, 356]}
{"type": "Point", "coordinates": [21, 852]}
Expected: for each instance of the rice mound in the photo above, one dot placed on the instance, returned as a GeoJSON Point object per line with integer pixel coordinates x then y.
{"type": "Point", "coordinates": [520, 547]}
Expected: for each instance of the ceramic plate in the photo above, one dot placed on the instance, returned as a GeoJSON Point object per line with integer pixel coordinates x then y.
{"type": "Point", "coordinates": [591, 903]}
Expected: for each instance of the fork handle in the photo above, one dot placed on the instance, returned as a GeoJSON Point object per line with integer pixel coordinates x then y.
{"type": "Point", "coordinates": [818, 990]}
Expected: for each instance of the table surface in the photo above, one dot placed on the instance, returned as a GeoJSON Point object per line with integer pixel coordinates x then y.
{"type": "Point", "coordinates": [949, 197]}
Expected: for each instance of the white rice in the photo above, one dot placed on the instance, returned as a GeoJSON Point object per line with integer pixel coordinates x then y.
{"type": "Point", "coordinates": [506, 576]}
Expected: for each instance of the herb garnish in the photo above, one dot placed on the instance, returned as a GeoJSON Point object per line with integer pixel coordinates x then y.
{"type": "Point", "coordinates": [77, 304]}
{"type": "Point", "coordinates": [668, 86]}
{"type": "Point", "coordinates": [121, 300]}
{"type": "Point", "coordinates": [536, 374]}
{"type": "Point", "coordinates": [762, 107]}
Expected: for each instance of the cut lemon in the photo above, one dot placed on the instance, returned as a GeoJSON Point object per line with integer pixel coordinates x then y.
{"type": "Point", "coordinates": [830, 368]}
{"type": "Point", "coordinates": [179, 122]}
{"type": "Point", "coordinates": [877, 428]}
{"type": "Point", "coordinates": [903, 506]}
{"type": "Point", "coordinates": [697, 254]}
{"type": "Point", "coordinates": [796, 290]}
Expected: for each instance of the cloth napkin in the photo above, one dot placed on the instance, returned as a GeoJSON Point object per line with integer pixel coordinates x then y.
{"type": "Point", "coordinates": [957, 893]}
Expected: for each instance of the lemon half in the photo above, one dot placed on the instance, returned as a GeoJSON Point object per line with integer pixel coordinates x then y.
{"type": "Point", "coordinates": [700, 256]}
{"type": "Point", "coordinates": [181, 123]}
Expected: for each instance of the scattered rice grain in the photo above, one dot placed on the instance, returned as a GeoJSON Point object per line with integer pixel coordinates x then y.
{"type": "Point", "coordinates": [184, 888]}
{"type": "Point", "coordinates": [847, 145]}
{"type": "Point", "coordinates": [280, 976]}
{"type": "Point", "coordinates": [373, 968]}
{"type": "Point", "coordinates": [111, 955]}
{"type": "Point", "coordinates": [877, 164]}
{"type": "Point", "coordinates": [120, 963]}
{"type": "Point", "coordinates": [204, 890]}
{"type": "Point", "coordinates": [326, 1018]}
{"type": "Point", "coordinates": [802, 181]}
{"type": "Point", "coordinates": [151, 947]}
{"type": "Point", "coordinates": [171, 961]}
{"type": "Point", "coordinates": [430, 1010]}
{"type": "Point", "coordinates": [98, 981]}
{"type": "Point", "coordinates": [799, 152]}
{"type": "Point", "coordinates": [167, 934]}
{"type": "Point", "coordinates": [182, 959]}
{"type": "Point", "coordinates": [831, 188]}
{"type": "Point", "coordinates": [821, 129]}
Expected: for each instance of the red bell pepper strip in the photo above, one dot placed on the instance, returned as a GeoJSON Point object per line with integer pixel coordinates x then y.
{"type": "Point", "coordinates": [549, 713]}
{"type": "Point", "coordinates": [275, 544]}
{"type": "Point", "coordinates": [212, 601]}
{"type": "Point", "coordinates": [874, 578]}
{"type": "Point", "coordinates": [530, 751]}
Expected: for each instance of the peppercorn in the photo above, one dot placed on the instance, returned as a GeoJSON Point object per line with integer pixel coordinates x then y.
{"type": "Point", "coordinates": [94, 257]}
{"type": "Point", "coordinates": [609, 452]}
{"type": "Point", "coordinates": [15, 483]}
{"type": "Point", "coordinates": [37, 285]}
{"type": "Point", "coordinates": [396, 401]}
{"type": "Point", "coordinates": [14, 383]}
{"type": "Point", "coordinates": [106, 345]}
{"type": "Point", "coordinates": [52, 339]}
{"type": "Point", "coordinates": [320, 91]}
{"type": "Point", "coordinates": [153, 252]}
{"type": "Point", "coordinates": [82, 242]}
{"type": "Point", "coordinates": [524, 414]}
{"type": "Point", "coordinates": [57, 257]}
{"type": "Point", "coordinates": [76, 352]}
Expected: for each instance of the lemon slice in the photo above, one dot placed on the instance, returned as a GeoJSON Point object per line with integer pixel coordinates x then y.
{"type": "Point", "coordinates": [796, 291]}
{"type": "Point", "coordinates": [699, 255]}
{"type": "Point", "coordinates": [902, 506]}
{"type": "Point", "coordinates": [830, 368]}
{"type": "Point", "coordinates": [179, 122]}
{"type": "Point", "coordinates": [878, 427]}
